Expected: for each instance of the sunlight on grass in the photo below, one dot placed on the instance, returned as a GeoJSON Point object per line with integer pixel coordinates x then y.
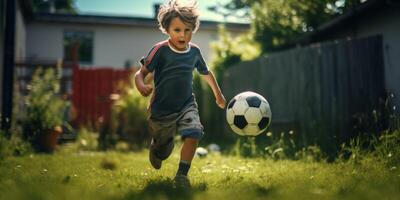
{"type": "Point", "coordinates": [115, 175]}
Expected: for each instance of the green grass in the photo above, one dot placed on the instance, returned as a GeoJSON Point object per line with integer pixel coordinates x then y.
{"type": "Point", "coordinates": [115, 175]}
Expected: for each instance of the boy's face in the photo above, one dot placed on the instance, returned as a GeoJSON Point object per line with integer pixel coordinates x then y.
{"type": "Point", "coordinates": [180, 34]}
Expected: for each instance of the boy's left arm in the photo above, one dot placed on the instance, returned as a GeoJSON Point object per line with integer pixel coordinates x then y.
{"type": "Point", "coordinates": [219, 97]}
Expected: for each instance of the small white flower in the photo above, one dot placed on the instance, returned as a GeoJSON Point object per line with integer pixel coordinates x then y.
{"type": "Point", "coordinates": [83, 142]}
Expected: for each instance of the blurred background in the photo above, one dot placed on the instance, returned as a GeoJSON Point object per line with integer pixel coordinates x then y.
{"type": "Point", "coordinates": [329, 68]}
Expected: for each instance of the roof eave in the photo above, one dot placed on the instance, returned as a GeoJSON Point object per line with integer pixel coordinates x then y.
{"type": "Point", "coordinates": [125, 21]}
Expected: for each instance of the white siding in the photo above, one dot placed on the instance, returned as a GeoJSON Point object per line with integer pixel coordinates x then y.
{"type": "Point", "coordinates": [113, 45]}
{"type": "Point", "coordinates": [387, 24]}
{"type": "Point", "coordinates": [44, 42]}
{"type": "Point", "coordinates": [20, 36]}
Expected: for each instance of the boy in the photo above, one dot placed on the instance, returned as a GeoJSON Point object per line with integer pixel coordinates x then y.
{"type": "Point", "coordinates": [173, 106]}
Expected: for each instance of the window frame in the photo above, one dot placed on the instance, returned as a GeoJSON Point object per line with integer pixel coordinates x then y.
{"type": "Point", "coordinates": [79, 32]}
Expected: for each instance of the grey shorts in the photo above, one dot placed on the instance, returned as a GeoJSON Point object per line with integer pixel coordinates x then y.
{"type": "Point", "coordinates": [186, 123]}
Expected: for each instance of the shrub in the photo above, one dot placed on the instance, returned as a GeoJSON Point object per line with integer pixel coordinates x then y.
{"type": "Point", "coordinates": [129, 117]}
{"type": "Point", "coordinates": [43, 105]}
{"type": "Point", "coordinates": [14, 146]}
{"type": "Point", "coordinates": [281, 147]}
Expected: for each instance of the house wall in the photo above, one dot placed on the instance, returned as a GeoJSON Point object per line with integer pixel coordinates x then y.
{"type": "Point", "coordinates": [20, 35]}
{"type": "Point", "coordinates": [385, 22]}
{"type": "Point", "coordinates": [113, 45]}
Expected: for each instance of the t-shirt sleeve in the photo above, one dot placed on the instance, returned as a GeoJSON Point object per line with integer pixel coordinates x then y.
{"type": "Point", "coordinates": [151, 60]}
{"type": "Point", "coordinates": [201, 65]}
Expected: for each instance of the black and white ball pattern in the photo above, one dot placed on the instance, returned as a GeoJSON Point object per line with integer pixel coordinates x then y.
{"type": "Point", "coordinates": [248, 114]}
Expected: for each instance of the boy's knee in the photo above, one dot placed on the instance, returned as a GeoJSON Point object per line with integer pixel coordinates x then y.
{"type": "Point", "coordinates": [190, 140]}
{"type": "Point", "coordinates": [195, 134]}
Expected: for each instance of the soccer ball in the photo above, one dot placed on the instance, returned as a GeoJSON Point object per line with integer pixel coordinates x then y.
{"type": "Point", "coordinates": [248, 114]}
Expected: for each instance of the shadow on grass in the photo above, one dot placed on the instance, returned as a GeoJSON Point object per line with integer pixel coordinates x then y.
{"type": "Point", "coordinates": [165, 189]}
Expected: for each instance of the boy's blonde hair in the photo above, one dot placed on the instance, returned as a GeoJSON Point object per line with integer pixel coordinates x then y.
{"type": "Point", "coordinates": [187, 12]}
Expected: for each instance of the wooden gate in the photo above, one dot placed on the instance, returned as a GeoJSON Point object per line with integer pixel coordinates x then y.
{"type": "Point", "coordinates": [93, 91]}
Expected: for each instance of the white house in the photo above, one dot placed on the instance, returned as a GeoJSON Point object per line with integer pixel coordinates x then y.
{"type": "Point", "coordinates": [107, 40]}
{"type": "Point", "coordinates": [13, 17]}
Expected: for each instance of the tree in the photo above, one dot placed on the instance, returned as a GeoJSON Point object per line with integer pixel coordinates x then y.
{"type": "Point", "coordinates": [59, 6]}
{"type": "Point", "coordinates": [276, 23]}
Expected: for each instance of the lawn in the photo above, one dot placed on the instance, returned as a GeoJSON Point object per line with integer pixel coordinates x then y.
{"type": "Point", "coordinates": [122, 175]}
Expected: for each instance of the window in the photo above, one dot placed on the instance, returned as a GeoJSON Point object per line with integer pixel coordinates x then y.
{"type": "Point", "coordinates": [83, 41]}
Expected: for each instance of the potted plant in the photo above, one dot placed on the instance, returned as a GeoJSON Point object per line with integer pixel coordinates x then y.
{"type": "Point", "coordinates": [44, 110]}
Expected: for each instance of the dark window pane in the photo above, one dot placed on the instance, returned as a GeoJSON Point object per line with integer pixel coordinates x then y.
{"type": "Point", "coordinates": [84, 40]}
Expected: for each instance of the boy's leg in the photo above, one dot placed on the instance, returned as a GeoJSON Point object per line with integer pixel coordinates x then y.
{"type": "Point", "coordinates": [162, 142]}
{"type": "Point", "coordinates": [187, 152]}
{"type": "Point", "coordinates": [191, 130]}
{"type": "Point", "coordinates": [188, 149]}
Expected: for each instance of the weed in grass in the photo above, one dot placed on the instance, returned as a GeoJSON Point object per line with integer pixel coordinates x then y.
{"type": "Point", "coordinates": [13, 146]}
{"type": "Point", "coordinates": [108, 164]}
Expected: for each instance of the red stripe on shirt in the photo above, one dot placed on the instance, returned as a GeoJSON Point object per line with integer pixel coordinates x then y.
{"type": "Point", "coordinates": [154, 50]}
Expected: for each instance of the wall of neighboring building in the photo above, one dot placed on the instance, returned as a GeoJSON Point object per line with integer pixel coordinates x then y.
{"type": "Point", "coordinates": [113, 45]}
{"type": "Point", "coordinates": [384, 22]}
{"type": "Point", "coordinates": [20, 35]}
{"type": "Point", "coordinates": [387, 23]}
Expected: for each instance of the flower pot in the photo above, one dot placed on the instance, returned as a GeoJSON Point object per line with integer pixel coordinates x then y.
{"type": "Point", "coordinates": [47, 141]}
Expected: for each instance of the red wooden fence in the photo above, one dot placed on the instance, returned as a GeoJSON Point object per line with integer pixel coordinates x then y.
{"type": "Point", "coordinates": [92, 90]}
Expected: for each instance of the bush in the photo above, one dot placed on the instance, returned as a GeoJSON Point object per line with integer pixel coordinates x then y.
{"type": "Point", "coordinates": [43, 105]}
{"type": "Point", "coordinates": [14, 146]}
{"type": "Point", "coordinates": [129, 117]}
{"type": "Point", "coordinates": [229, 51]}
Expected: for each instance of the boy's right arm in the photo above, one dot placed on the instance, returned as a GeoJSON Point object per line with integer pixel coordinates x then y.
{"type": "Point", "coordinates": [144, 89]}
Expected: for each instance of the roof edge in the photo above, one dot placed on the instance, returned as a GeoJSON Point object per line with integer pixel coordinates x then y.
{"type": "Point", "coordinates": [121, 20]}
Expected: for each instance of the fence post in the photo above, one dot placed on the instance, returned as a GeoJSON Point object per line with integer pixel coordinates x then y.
{"type": "Point", "coordinates": [8, 67]}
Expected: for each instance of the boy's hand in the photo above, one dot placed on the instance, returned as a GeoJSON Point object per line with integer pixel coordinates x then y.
{"type": "Point", "coordinates": [221, 102]}
{"type": "Point", "coordinates": [145, 90]}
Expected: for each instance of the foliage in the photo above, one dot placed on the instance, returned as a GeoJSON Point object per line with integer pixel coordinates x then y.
{"type": "Point", "coordinates": [87, 140]}
{"type": "Point", "coordinates": [61, 6]}
{"type": "Point", "coordinates": [43, 105]}
{"type": "Point", "coordinates": [129, 117]}
{"type": "Point", "coordinates": [385, 148]}
{"type": "Point", "coordinates": [246, 147]}
{"type": "Point", "coordinates": [229, 51]}
{"type": "Point", "coordinates": [278, 23]}
{"type": "Point", "coordinates": [383, 117]}
{"type": "Point", "coordinates": [282, 147]}
{"type": "Point", "coordinates": [13, 146]}
{"type": "Point", "coordinates": [277, 147]}
{"type": "Point", "coordinates": [378, 135]}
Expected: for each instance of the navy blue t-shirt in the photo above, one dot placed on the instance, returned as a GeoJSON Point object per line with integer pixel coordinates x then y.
{"type": "Point", "coordinates": [173, 77]}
